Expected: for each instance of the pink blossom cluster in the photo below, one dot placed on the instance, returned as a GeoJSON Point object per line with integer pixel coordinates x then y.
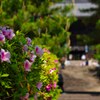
{"type": "Point", "coordinates": [28, 62]}
{"type": "Point", "coordinates": [52, 70]}
{"type": "Point", "coordinates": [56, 61]}
{"type": "Point", "coordinates": [29, 43]}
{"type": "Point", "coordinates": [50, 86]}
{"type": "Point", "coordinates": [6, 34]}
{"type": "Point", "coordinates": [46, 50]}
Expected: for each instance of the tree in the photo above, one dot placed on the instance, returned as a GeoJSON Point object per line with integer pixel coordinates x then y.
{"type": "Point", "coordinates": [37, 20]}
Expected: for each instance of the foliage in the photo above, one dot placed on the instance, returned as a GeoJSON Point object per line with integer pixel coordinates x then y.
{"type": "Point", "coordinates": [38, 7]}
{"type": "Point", "coordinates": [52, 33]}
{"type": "Point", "coordinates": [44, 21]}
{"type": "Point", "coordinates": [97, 46]}
{"type": "Point", "coordinates": [97, 55]}
{"type": "Point", "coordinates": [90, 37]}
{"type": "Point", "coordinates": [26, 70]}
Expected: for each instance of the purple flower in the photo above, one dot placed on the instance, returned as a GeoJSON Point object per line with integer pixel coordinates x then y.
{"type": "Point", "coordinates": [10, 34]}
{"type": "Point", "coordinates": [27, 65]}
{"type": "Point", "coordinates": [39, 85]}
{"type": "Point", "coordinates": [39, 51]}
{"type": "Point", "coordinates": [2, 38]}
{"type": "Point", "coordinates": [4, 56]}
{"type": "Point", "coordinates": [25, 48]}
{"type": "Point", "coordinates": [32, 58]}
{"type": "Point", "coordinates": [29, 41]}
{"type": "Point", "coordinates": [4, 31]}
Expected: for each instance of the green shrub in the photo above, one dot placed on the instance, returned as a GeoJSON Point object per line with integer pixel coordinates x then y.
{"type": "Point", "coordinates": [26, 70]}
{"type": "Point", "coordinates": [97, 55]}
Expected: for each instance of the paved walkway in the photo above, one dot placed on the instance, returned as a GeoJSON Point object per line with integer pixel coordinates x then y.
{"type": "Point", "coordinates": [79, 83]}
{"type": "Point", "coordinates": [74, 96]}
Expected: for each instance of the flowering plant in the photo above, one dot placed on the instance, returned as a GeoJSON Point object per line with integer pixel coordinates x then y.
{"type": "Point", "coordinates": [27, 72]}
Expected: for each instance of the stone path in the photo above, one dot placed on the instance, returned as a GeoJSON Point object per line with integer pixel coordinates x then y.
{"type": "Point", "coordinates": [79, 83]}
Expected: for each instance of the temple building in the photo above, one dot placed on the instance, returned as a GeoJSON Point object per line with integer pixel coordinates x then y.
{"type": "Point", "coordinates": [79, 28]}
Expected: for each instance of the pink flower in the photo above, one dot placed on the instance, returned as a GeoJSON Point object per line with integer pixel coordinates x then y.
{"type": "Point", "coordinates": [27, 65]}
{"type": "Point", "coordinates": [39, 85]}
{"type": "Point", "coordinates": [46, 50]}
{"type": "Point", "coordinates": [10, 34]}
{"type": "Point", "coordinates": [52, 70]}
{"type": "Point", "coordinates": [55, 85]}
{"type": "Point", "coordinates": [29, 41]}
{"type": "Point", "coordinates": [2, 38]}
{"type": "Point", "coordinates": [26, 97]}
{"type": "Point", "coordinates": [4, 56]}
{"type": "Point", "coordinates": [32, 58]}
{"type": "Point", "coordinates": [39, 51]}
{"type": "Point", "coordinates": [48, 87]}
{"type": "Point", "coordinates": [56, 61]}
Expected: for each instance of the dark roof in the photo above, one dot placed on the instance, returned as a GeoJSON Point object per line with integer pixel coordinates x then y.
{"type": "Point", "coordinates": [77, 1]}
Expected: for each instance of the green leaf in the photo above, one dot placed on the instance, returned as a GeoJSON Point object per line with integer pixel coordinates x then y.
{"type": "Point", "coordinates": [3, 83]}
{"type": "Point", "coordinates": [7, 86]}
{"type": "Point", "coordinates": [17, 32]}
{"type": "Point", "coordinates": [5, 75]}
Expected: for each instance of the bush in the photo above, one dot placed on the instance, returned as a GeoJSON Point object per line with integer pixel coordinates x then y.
{"type": "Point", "coordinates": [97, 54]}
{"type": "Point", "coordinates": [26, 71]}
{"type": "Point", "coordinates": [40, 20]}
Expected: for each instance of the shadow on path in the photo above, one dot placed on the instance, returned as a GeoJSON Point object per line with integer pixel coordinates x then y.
{"type": "Point", "coordinates": [81, 92]}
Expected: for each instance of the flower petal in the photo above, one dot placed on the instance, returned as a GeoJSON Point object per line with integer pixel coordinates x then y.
{"type": "Point", "coordinates": [27, 65]}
